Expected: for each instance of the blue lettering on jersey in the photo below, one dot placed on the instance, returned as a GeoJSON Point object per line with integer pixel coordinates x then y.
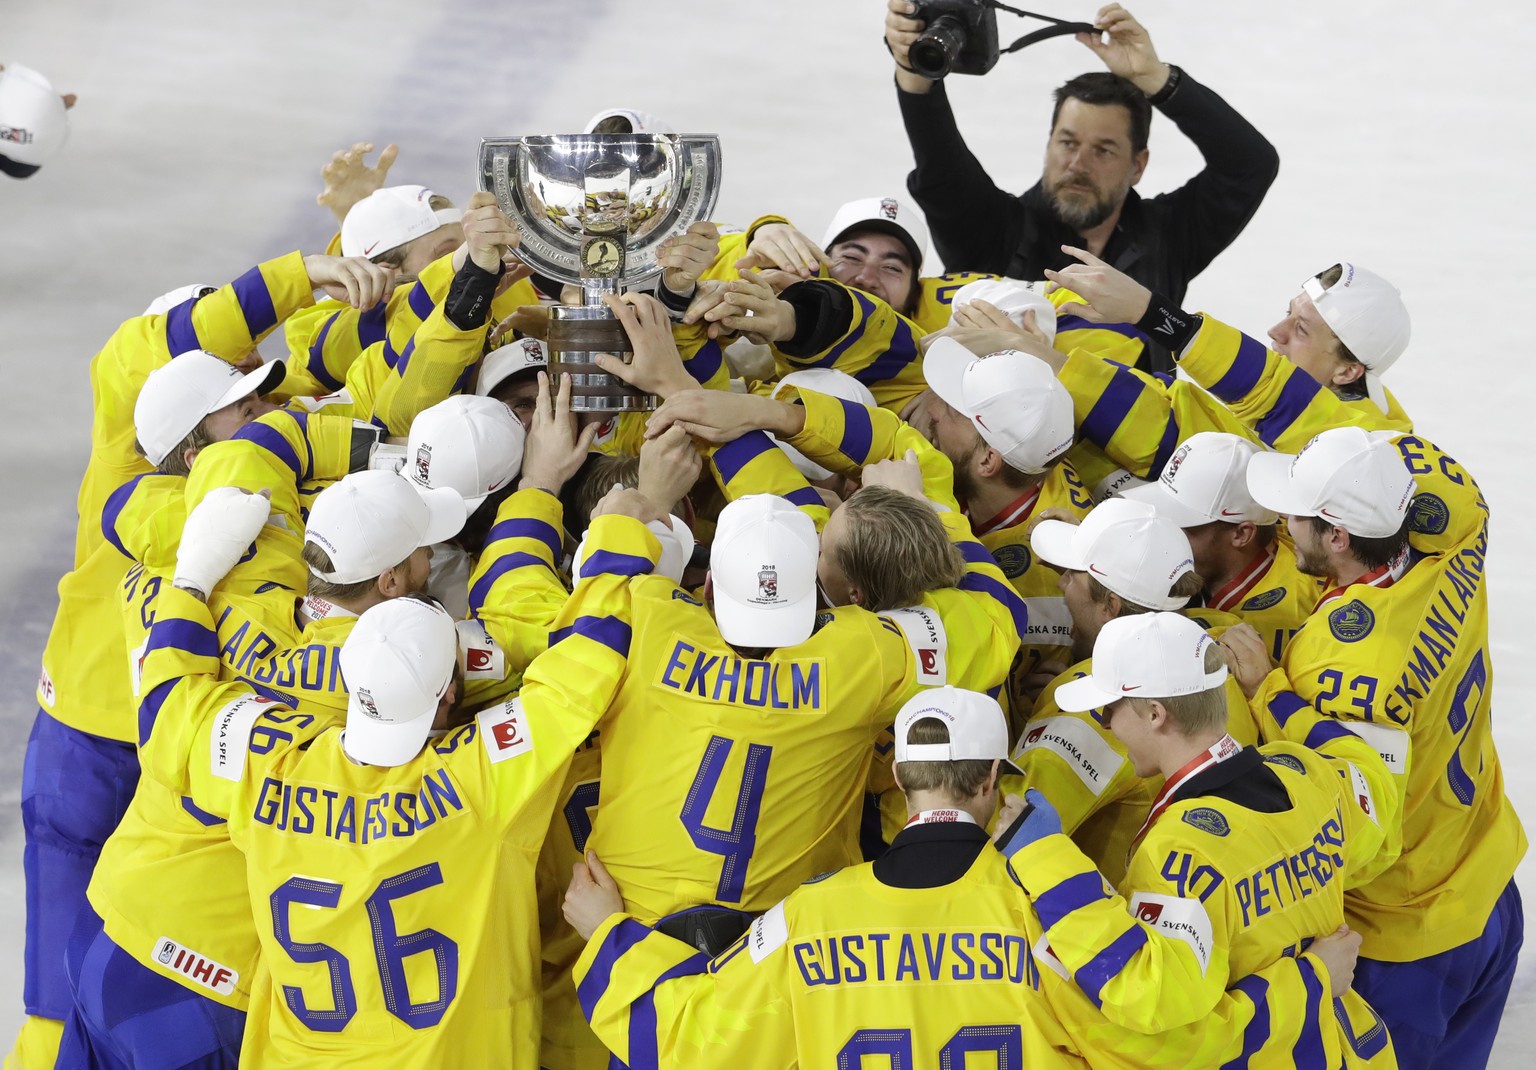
{"type": "Point", "coordinates": [251, 653]}
{"type": "Point", "coordinates": [1267, 600]}
{"type": "Point", "coordinates": [1290, 879]}
{"type": "Point", "coordinates": [1207, 820]}
{"type": "Point", "coordinates": [777, 685]}
{"type": "Point", "coordinates": [1432, 648]}
{"type": "Point", "coordinates": [1351, 622]}
{"type": "Point", "coordinates": [306, 810]}
{"type": "Point", "coordinates": [925, 957]}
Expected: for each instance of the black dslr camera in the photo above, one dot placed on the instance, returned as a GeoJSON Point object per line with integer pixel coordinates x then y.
{"type": "Point", "coordinates": [960, 37]}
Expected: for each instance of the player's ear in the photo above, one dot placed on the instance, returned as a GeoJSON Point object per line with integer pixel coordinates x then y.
{"type": "Point", "coordinates": [1139, 168]}
{"type": "Point", "coordinates": [187, 457]}
{"type": "Point", "coordinates": [1243, 534]}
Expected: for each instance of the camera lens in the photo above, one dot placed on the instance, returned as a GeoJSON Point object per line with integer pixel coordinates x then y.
{"type": "Point", "coordinates": [933, 53]}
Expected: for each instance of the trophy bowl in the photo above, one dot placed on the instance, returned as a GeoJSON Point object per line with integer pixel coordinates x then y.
{"type": "Point", "coordinates": [593, 210]}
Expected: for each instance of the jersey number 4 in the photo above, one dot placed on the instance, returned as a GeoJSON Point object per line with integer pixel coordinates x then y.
{"type": "Point", "coordinates": [739, 841]}
{"type": "Point", "coordinates": [392, 949]}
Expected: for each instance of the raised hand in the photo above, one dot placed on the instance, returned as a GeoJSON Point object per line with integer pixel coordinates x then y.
{"type": "Point", "coordinates": [1108, 294]}
{"type": "Point", "coordinates": [1128, 52]}
{"type": "Point", "coordinates": [348, 178]}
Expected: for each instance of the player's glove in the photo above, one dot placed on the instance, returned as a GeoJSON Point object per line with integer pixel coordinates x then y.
{"type": "Point", "coordinates": [217, 534]}
{"type": "Point", "coordinates": [1036, 821]}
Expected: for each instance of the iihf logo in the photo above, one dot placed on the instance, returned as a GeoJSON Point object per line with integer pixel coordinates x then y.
{"type": "Point", "coordinates": [533, 351]}
{"type": "Point", "coordinates": [365, 700]}
{"type": "Point", "coordinates": [888, 209]}
{"type": "Point", "coordinates": [423, 464]}
{"type": "Point", "coordinates": [768, 584]}
{"type": "Point", "coordinates": [16, 135]}
{"type": "Point", "coordinates": [1172, 467]}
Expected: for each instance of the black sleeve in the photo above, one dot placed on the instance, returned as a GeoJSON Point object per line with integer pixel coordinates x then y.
{"type": "Point", "coordinates": [1211, 209]}
{"type": "Point", "coordinates": [823, 314]}
{"type": "Point", "coordinates": [468, 304]}
{"type": "Point", "coordinates": [975, 225]}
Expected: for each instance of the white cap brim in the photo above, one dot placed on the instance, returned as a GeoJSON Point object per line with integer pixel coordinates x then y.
{"type": "Point", "coordinates": [1168, 505]}
{"type": "Point", "coordinates": [446, 512]}
{"type": "Point", "coordinates": [263, 380]}
{"type": "Point", "coordinates": [944, 367]}
{"type": "Point", "coordinates": [1082, 695]}
{"type": "Point", "coordinates": [1269, 481]}
{"type": "Point", "coordinates": [1375, 390]}
{"type": "Point", "coordinates": [373, 743]}
{"type": "Point", "coordinates": [1052, 542]}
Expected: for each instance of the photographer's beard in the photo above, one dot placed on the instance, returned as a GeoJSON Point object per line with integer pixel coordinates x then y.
{"type": "Point", "coordinates": [1081, 205]}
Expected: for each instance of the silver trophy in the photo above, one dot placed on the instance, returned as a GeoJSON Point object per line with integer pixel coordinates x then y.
{"type": "Point", "coordinates": [592, 209]}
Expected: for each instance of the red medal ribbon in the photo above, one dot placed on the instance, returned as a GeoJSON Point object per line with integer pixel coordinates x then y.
{"type": "Point", "coordinates": [1015, 512]}
{"type": "Point", "coordinates": [1377, 577]}
{"type": "Point", "coordinates": [1218, 752]}
{"type": "Point", "coordinates": [1237, 589]}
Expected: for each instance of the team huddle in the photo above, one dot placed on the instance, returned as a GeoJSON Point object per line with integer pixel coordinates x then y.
{"type": "Point", "coordinates": [930, 679]}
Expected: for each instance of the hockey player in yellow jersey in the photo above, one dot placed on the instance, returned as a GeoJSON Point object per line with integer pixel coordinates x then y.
{"type": "Point", "coordinates": [1245, 855]}
{"type": "Point", "coordinates": [1247, 568]}
{"type": "Point", "coordinates": [924, 957]}
{"type": "Point", "coordinates": [1401, 657]}
{"type": "Point", "coordinates": [1123, 560]}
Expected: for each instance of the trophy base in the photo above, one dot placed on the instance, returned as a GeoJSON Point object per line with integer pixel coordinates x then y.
{"type": "Point", "coordinates": [576, 334]}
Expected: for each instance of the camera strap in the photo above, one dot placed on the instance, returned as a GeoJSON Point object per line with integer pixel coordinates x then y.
{"type": "Point", "coordinates": [1057, 27]}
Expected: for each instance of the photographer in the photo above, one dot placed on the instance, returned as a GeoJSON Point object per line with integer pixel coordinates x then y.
{"type": "Point", "coordinates": [1097, 151]}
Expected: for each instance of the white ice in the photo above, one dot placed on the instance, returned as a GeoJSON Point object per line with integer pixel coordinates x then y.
{"type": "Point", "coordinates": [201, 128]}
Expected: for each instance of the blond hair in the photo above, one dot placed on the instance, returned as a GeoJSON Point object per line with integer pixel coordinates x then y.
{"type": "Point", "coordinates": [895, 549]}
{"type": "Point", "coordinates": [959, 780]}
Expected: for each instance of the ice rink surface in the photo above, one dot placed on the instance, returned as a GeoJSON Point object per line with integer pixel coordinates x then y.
{"type": "Point", "coordinates": [201, 130]}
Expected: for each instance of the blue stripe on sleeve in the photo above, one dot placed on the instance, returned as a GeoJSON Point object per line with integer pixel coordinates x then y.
{"type": "Point", "coordinates": [203, 816]}
{"type": "Point", "coordinates": [611, 632]}
{"type": "Point", "coordinates": [1256, 1032]}
{"type": "Point", "coordinates": [405, 357]}
{"type": "Point", "coordinates": [735, 455]}
{"type": "Point", "coordinates": [1071, 894]}
{"type": "Point", "coordinates": [831, 357]}
{"type": "Point", "coordinates": [804, 497]}
{"type": "Point", "coordinates": [623, 936]}
{"type": "Point", "coordinates": [420, 301]}
{"type": "Point", "coordinates": [316, 362]}
{"type": "Point", "coordinates": [1295, 396]}
{"type": "Point", "coordinates": [858, 432]}
{"type": "Point", "coordinates": [1001, 592]}
{"type": "Point", "coordinates": [482, 588]}
{"type": "Point", "coordinates": [1285, 705]}
{"type": "Point", "coordinates": [1077, 323]}
{"type": "Point", "coordinates": [149, 708]}
{"type": "Point", "coordinates": [705, 363]}
{"type": "Point", "coordinates": [180, 335]}
{"type": "Point", "coordinates": [461, 384]}
{"type": "Point", "coordinates": [114, 508]}
{"type": "Point", "coordinates": [894, 361]}
{"type": "Point", "coordinates": [1112, 407]}
{"type": "Point", "coordinates": [1325, 732]}
{"type": "Point", "coordinates": [174, 633]}
{"type": "Point", "coordinates": [975, 553]}
{"type": "Point", "coordinates": [255, 302]}
{"type": "Point", "coordinates": [391, 358]}
{"type": "Point", "coordinates": [1308, 1054]}
{"type": "Point", "coordinates": [372, 326]}
{"type": "Point", "coordinates": [274, 443]}
{"type": "Point", "coordinates": [1165, 448]}
{"type": "Point", "coordinates": [1103, 967]}
{"type": "Point", "coordinates": [524, 528]}
{"type": "Point", "coordinates": [1243, 375]}
{"type": "Point", "coordinates": [643, 1048]}
{"type": "Point", "coordinates": [609, 563]}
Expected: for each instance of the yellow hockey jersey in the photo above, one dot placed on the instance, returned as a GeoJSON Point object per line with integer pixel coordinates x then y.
{"type": "Point", "coordinates": [418, 942]}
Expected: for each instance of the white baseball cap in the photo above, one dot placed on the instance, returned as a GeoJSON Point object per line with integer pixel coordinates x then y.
{"type": "Point", "coordinates": [503, 362]}
{"type": "Point", "coordinates": [763, 572]}
{"type": "Point", "coordinates": [677, 543]}
{"type": "Point", "coordinates": [372, 521]}
{"type": "Point", "coordinates": [640, 122]}
{"type": "Point", "coordinates": [398, 661]}
{"type": "Point", "coordinates": [1367, 313]}
{"type": "Point", "coordinates": [1015, 401]}
{"type": "Point", "coordinates": [1147, 655]}
{"type": "Point", "coordinates": [470, 443]}
{"type": "Point", "coordinates": [886, 214]}
{"type": "Point", "coordinates": [1126, 546]}
{"type": "Point", "coordinates": [171, 298]}
{"type": "Point", "coordinates": [176, 396]}
{"type": "Point", "coordinates": [388, 218]}
{"type": "Point", "coordinates": [1206, 480]}
{"type": "Point", "coordinates": [1350, 477]}
{"type": "Point", "coordinates": [34, 124]}
{"type": "Point", "coordinates": [978, 729]}
{"type": "Point", "coordinates": [1013, 298]}
{"type": "Point", "coordinates": [827, 381]}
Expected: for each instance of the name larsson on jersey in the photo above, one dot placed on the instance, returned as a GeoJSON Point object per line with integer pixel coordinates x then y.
{"type": "Point", "coordinates": [786, 685]}
{"type": "Point", "coordinates": [306, 810]}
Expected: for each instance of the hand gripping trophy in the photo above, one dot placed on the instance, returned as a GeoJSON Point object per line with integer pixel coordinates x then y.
{"type": "Point", "coordinates": [592, 209]}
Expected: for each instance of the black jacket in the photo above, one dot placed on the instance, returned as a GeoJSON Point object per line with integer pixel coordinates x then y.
{"type": "Point", "coordinates": [1162, 241]}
